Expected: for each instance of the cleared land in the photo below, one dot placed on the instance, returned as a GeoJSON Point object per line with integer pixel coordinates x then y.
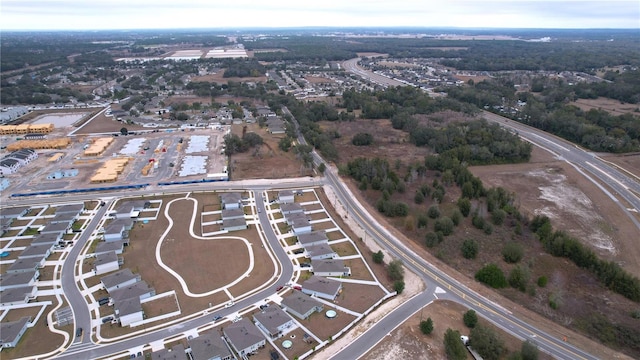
{"type": "Point", "coordinates": [614, 107]}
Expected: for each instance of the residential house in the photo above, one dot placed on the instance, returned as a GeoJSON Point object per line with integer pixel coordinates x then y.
{"type": "Point", "coordinates": [9, 166]}
{"type": "Point", "coordinates": [233, 213]}
{"type": "Point", "coordinates": [118, 230]}
{"type": "Point", "coordinates": [71, 208]}
{"type": "Point", "coordinates": [37, 251]}
{"type": "Point", "coordinates": [55, 228]}
{"type": "Point", "coordinates": [115, 246]}
{"type": "Point", "coordinates": [330, 267]}
{"type": "Point", "coordinates": [301, 305]}
{"type": "Point", "coordinates": [291, 208]}
{"type": "Point", "coordinates": [140, 289]}
{"type": "Point", "coordinates": [319, 252]}
{"type": "Point", "coordinates": [301, 226]}
{"type": "Point", "coordinates": [177, 352]}
{"type": "Point", "coordinates": [13, 212]}
{"type": "Point", "coordinates": [106, 262]}
{"type": "Point", "coordinates": [26, 265]}
{"type": "Point", "coordinates": [234, 224]}
{"type": "Point", "coordinates": [244, 337]}
{"type": "Point", "coordinates": [5, 225]}
{"type": "Point", "coordinates": [231, 200]}
{"type": "Point", "coordinates": [119, 279]}
{"type": "Point", "coordinates": [47, 238]}
{"type": "Point", "coordinates": [209, 347]}
{"type": "Point", "coordinates": [313, 238]}
{"type": "Point", "coordinates": [18, 279]}
{"type": "Point", "coordinates": [130, 209]}
{"type": "Point", "coordinates": [322, 287]}
{"type": "Point", "coordinates": [128, 311]}
{"type": "Point", "coordinates": [286, 197]}
{"type": "Point", "coordinates": [11, 332]}
{"type": "Point", "coordinates": [273, 321]}
{"type": "Point", "coordinates": [17, 296]}
{"type": "Point", "coordinates": [67, 218]}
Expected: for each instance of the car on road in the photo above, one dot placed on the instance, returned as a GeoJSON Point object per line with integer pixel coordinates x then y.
{"type": "Point", "coordinates": [78, 332]}
{"type": "Point", "coordinates": [305, 265]}
{"type": "Point", "coordinates": [229, 304]}
{"type": "Point", "coordinates": [107, 319]}
{"type": "Point", "coordinates": [297, 287]}
{"type": "Point", "coordinates": [279, 288]}
{"type": "Point", "coordinates": [217, 317]}
{"type": "Point", "coordinates": [264, 306]}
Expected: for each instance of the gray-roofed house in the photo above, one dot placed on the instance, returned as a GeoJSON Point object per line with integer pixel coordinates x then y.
{"type": "Point", "coordinates": [231, 200]}
{"type": "Point", "coordinates": [16, 280]}
{"type": "Point", "coordinates": [128, 311]}
{"type": "Point", "coordinates": [72, 208]}
{"type": "Point", "coordinates": [273, 321]}
{"type": "Point", "coordinates": [330, 267]}
{"type": "Point", "coordinates": [130, 209]}
{"type": "Point", "coordinates": [209, 347]}
{"type": "Point", "coordinates": [140, 289]}
{"type": "Point", "coordinates": [37, 251]}
{"type": "Point", "coordinates": [313, 238]}
{"type": "Point", "coordinates": [11, 332]}
{"type": "Point", "coordinates": [301, 305]}
{"type": "Point", "coordinates": [291, 208]}
{"type": "Point", "coordinates": [232, 214]}
{"type": "Point", "coordinates": [106, 262]}
{"type": "Point", "coordinates": [26, 265]}
{"type": "Point", "coordinates": [19, 295]}
{"type": "Point", "coordinates": [117, 230]}
{"type": "Point", "coordinates": [115, 246]}
{"type": "Point", "coordinates": [52, 237]}
{"type": "Point", "coordinates": [119, 279]}
{"type": "Point", "coordinates": [286, 197]}
{"type": "Point", "coordinates": [177, 352]}
{"type": "Point", "coordinates": [322, 287]}
{"type": "Point", "coordinates": [13, 212]}
{"type": "Point", "coordinates": [301, 226]}
{"type": "Point", "coordinates": [319, 252]}
{"type": "Point", "coordinates": [55, 228]}
{"type": "Point", "coordinates": [66, 217]}
{"type": "Point", "coordinates": [234, 224]}
{"type": "Point", "coordinates": [5, 225]}
{"type": "Point", "coordinates": [244, 337]}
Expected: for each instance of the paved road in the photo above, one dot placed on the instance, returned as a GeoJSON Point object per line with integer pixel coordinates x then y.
{"type": "Point", "coordinates": [351, 66]}
{"type": "Point", "coordinates": [77, 302]}
{"type": "Point", "coordinates": [96, 351]}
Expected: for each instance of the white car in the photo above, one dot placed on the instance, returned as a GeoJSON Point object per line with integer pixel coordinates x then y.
{"type": "Point", "coordinates": [229, 304]}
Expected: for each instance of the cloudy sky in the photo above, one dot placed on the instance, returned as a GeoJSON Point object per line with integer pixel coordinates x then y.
{"type": "Point", "coordinates": [153, 14]}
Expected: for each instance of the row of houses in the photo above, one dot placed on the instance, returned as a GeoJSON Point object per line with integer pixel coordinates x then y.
{"type": "Point", "coordinates": [126, 291]}
{"type": "Point", "coordinates": [18, 283]}
{"type": "Point", "coordinates": [13, 161]}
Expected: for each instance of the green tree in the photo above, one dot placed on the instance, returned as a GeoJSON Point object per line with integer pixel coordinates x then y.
{"type": "Point", "coordinates": [124, 131]}
{"type": "Point", "coordinates": [512, 252]}
{"type": "Point", "coordinates": [444, 225]}
{"type": "Point", "coordinates": [491, 275]}
{"type": "Point", "coordinates": [398, 286]}
{"type": "Point", "coordinates": [433, 212]}
{"type": "Point", "coordinates": [529, 351]}
{"type": "Point", "coordinates": [470, 319]}
{"type": "Point", "coordinates": [498, 216]}
{"type": "Point", "coordinates": [395, 270]}
{"type": "Point", "coordinates": [431, 239]}
{"type": "Point", "coordinates": [378, 257]}
{"type": "Point", "coordinates": [285, 144]}
{"type": "Point", "coordinates": [426, 326]}
{"type": "Point", "coordinates": [518, 278]}
{"type": "Point", "coordinates": [470, 249]}
{"type": "Point", "coordinates": [456, 217]}
{"type": "Point", "coordinates": [453, 346]}
{"type": "Point", "coordinates": [362, 139]}
{"type": "Point", "coordinates": [542, 281]}
{"type": "Point", "coordinates": [486, 342]}
{"type": "Point", "coordinates": [322, 168]}
{"type": "Point", "coordinates": [464, 204]}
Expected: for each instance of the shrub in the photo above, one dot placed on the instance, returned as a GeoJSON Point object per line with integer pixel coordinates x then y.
{"type": "Point", "coordinates": [470, 319]}
{"type": "Point", "coordinates": [518, 278]}
{"type": "Point", "coordinates": [486, 342]}
{"type": "Point", "coordinates": [362, 139]}
{"type": "Point", "coordinates": [453, 347]}
{"type": "Point", "coordinates": [529, 351]}
{"type": "Point", "coordinates": [398, 286]}
{"type": "Point", "coordinates": [542, 281]}
{"type": "Point", "coordinates": [487, 228]}
{"type": "Point", "coordinates": [423, 220]}
{"type": "Point", "coordinates": [433, 212]}
{"type": "Point", "coordinates": [431, 239]}
{"type": "Point", "coordinates": [491, 275]}
{"type": "Point", "coordinates": [498, 216]}
{"type": "Point", "coordinates": [444, 225]}
{"type": "Point", "coordinates": [478, 221]}
{"type": "Point", "coordinates": [512, 252]}
{"type": "Point", "coordinates": [426, 326]}
{"type": "Point", "coordinates": [395, 270]}
{"type": "Point", "coordinates": [470, 249]}
{"type": "Point", "coordinates": [456, 217]}
{"type": "Point", "coordinates": [464, 204]}
{"type": "Point", "coordinates": [378, 257]}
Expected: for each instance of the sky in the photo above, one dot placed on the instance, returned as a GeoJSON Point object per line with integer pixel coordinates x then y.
{"type": "Point", "coordinates": [222, 14]}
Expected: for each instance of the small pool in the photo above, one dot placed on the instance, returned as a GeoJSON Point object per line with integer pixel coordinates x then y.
{"type": "Point", "coordinates": [4, 254]}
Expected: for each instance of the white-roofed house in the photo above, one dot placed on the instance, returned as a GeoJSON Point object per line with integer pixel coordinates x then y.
{"type": "Point", "coordinates": [322, 287]}
{"type": "Point", "coordinates": [330, 267]}
{"type": "Point", "coordinates": [286, 197]}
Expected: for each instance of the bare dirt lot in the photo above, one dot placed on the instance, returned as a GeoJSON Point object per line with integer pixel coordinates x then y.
{"type": "Point", "coordinates": [105, 124]}
{"type": "Point", "coordinates": [614, 107]}
{"type": "Point", "coordinates": [267, 161]}
{"type": "Point", "coordinates": [553, 188]}
{"type": "Point", "coordinates": [220, 79]}
{"type": "Point", "coordinates": [407, 342]}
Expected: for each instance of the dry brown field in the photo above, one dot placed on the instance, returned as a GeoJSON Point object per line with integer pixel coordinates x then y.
{"type": "Point", "coordinates": [318, 79]}
{"type": "Point", "coordinates": [614, 107]}
{"type": "Point", "coordinates": [220, 79]}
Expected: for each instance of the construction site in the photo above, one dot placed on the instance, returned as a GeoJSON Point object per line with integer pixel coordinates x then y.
{"type": "Point", "coordinates": [64, 161]}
